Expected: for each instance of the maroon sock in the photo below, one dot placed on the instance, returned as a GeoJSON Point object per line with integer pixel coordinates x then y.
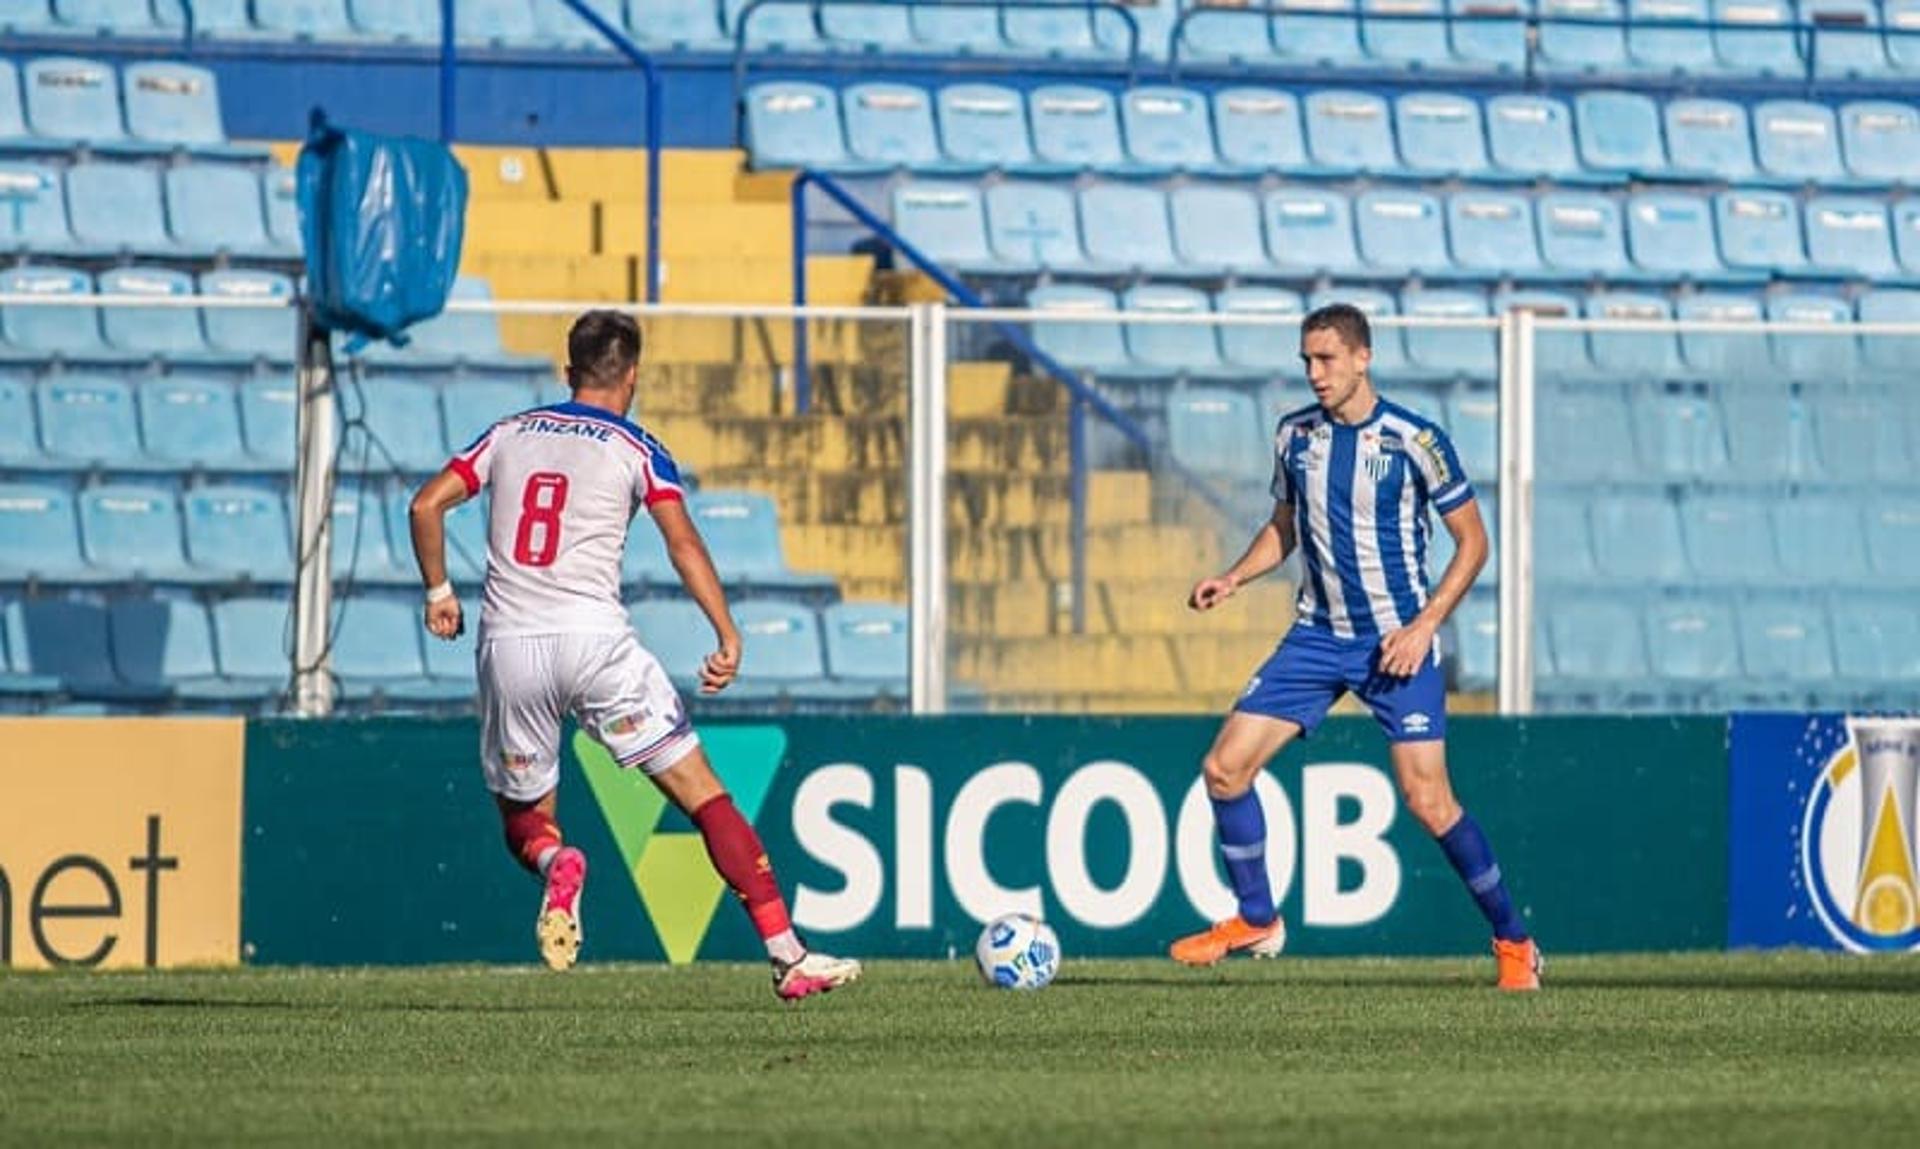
{"type": "Point", "coordinates": [740, 858]}
{"type": "Point", "coordinates": [530, 833]}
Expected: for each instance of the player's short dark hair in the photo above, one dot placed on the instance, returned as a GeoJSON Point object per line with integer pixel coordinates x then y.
{"type": "Point", "coordinates": [1345, 318]}
{"type": "Point", "coordinates": [601, 348]}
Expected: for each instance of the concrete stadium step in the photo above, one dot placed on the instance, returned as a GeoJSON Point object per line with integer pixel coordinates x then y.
{"type": "Point", "coordinates": [1159, 606]}
{"type": "Point", "coordinates": [1108, 664]}
{"type": "Point", "coordinates": [619, 175]}
{"type": "Point", "coordinates": [1089, 702]}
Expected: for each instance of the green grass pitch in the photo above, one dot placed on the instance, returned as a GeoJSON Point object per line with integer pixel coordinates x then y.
{"type": "Point", "coordinates": [1734, 1050]}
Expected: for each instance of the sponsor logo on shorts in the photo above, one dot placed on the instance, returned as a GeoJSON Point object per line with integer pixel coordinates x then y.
{"type": "Point", "coordinates": [625, 724]}
{"type": "Point", "coordinates": [517, 762]}
{"type": "Point", "coordinates": [1416, 723]}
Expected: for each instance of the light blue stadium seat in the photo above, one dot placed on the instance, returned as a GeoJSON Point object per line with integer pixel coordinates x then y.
{"type": "Point", "coordinates": [451, 663]}
{"type": "Point", "coordinates": [948, 223]}
{"type": "Point", "coordinates": [466, 533]}
{"type": "Point", "coordinates": [1532, 136]}
{"type": "Point", "coordinates": [304, 19]}
{"type": "Point", "coordinates": [1847, 38]}
{"type": "Point", "coordinates": [1160, 349]}
{"type": "Point", "coordinates": [1656, 46]}
{"type": "Point", "coordinates": [1709, 139]}
{"type": "Point", "coordinates": [1798, 141]}
{"type": "Point", "coordinates": [1154, 19]}
{"type": "Point", "coordinates": [1850, 235]}
{"type": "Point", "coordinates": [982, 126]}
{"type": "Point", "coordinates": [688, 25]}
{"type": "Point", "coordinates": [401, 417]}
{"type": "Point", "coordinates": [1760, 40]}
{"type": "Point", "coordinates": [791, 124]}
{"type": "Point", "coordinates": [216, 208]}
{"type": "Point", "coordinates": [1820, 539]}
{"type": "Point", "coordinates": [1893, 537]}
{"type": "Point", "coordinates": [280, 192]}
{"type": "Point", "coordinates": [1880, 140]}
{"type": "Point", "coordinates": [1584, 436]}
{"type": "Point", "coordinates": [1670, 234]}
{"type": "Point", "coordinates": [1582, 232]}
{"type": "Point", "coordinates": [1492, 233]}
{"type": "Point", "coordinates": [164, 646]}
{"type": "Point", "coordinates": [1084, 346]}
{"type": "Point", "coordinates": [1441, 134]}
{"type": "Point", "coordinates": [1311, 231]}
{"type": "Point", "coordinates": [1559, 356]}
{"type": "Point", "coordinates": [508, 23]}
{"type": "Point", "coordinates": [742, 532]}
{"type": "Point", "coordinates": [1906, 236]}
{"type": "Point", "coordinates": [1389, 347]}
{"type": "Point", "coordinates": [1402, 232]}
{"type": "Point", "coordinates": [1057, 28]}
{"type": "Point", "coordinates": [14, 136]}
{"type": "Point", "coordinates": [89, 419]}
{"type": "Point", "coordinates": [1599, 648]}
{"type": "Point", "coordinates": [253, 640]}
{"type": "Point", "coordinates": [1729, 539]}
{"type": "Point", "coordinates": [376, 650]}
{"type": "Point", "coordinates": [1350, 131]}
{"type": "Point", "coordinates": [890, 124]}
{"type": "Point", "coordinates": [178, 106]}
{"type": "Point", "coordinates": [43, 332]}
{"type": "Point", "coordinates": [1473, 424]}
{"type": "Point", "coordinates": [33, 209]}
{"type": "Point", "coordinates": [1220, 433]}
{"type": "Point", "coordinates": [555, 24]}
{"type": "Point", "coordinates": [105, 17]}
{"type": "Point", "coordinates": [239, 532]}
{"type": "Point", "coordinates": [1273, 346]}
{"type": "Point", "coordinates": [67, 639]}
{"type": "Point", "coordinates": [958, 31]}
{"type": "Point", "coordinates": [39, 536]}
{"type": "Point", "coordinates": [361, 550]}
{"type": "Point", "coordinates": [867, 644]}
{"type": "Point", "coordinates": [1785, 648]}
{"type": "Point", "coordinates": [71, 100]}
{"type": "Point", "coordinates": [1220, 33]}
{"type": "Point", "coordinates": [1317, 32]}
{"type": "Point", "coordinates": [785, 657]}
{"type": "Point", "coordinates": [133, 531]}
{"type": "Point", "coordinates": [1034, 225]}
{"type": "Point", "coordinates": [677, 634]}
{"type": "Point", "coordinates": [1127, 226]}
{"type": "Point", "coordinates": [1402, 39]}
{"type": "Point", "coordinates": [1218, 227]}
{"type": "Point", "coordinates": [1890, 356]}
{"type": "Point", "coordinates": [1562, 543]}
{"type": "Point", "coordinates": [19, 437]}
{"type": "Point", "coordinates": [1258, 130]}
{"type": "Point", "coordinates": [1493, 35]}
{"type": "Point", "coordinates": [1769, 435]}
{"type": "Point", "coordinates": [216, 19]}
{"type": "Point", "coordinates": [192, 420]}
{"type": "Point", "coordinates": [1448, 352]}
{"type": "Point", "coordinates": [267, 335]}
{"type": "Point", "coordinates": [457, 337]}
{"type": "Point", "coordinates": [1476, 643]}
{"type": "Point", "coordinates": [1693, 646]}
{"type": "Point", "coordinates": [1902, 19]}
{"type": "Point", "coordinates": [1574, 47]}
{"type": "Point", "coordinates": [1629, 356]}
{"type": "Point", "coordinates": [117, 208]}
{"type": "Point", "coordinates": [1877, 647]}
{"type": "Point", "coordinates": [170, 332]}
{"type": "Point", "coordinates": [645, 563]}
{"type": "Point", "coordinates": [1075, 128]}
{"type": "Point", "coordinates": [1680, 434]}
{"type": "Point", "coordinates": [1167, 128]}
{"type": "Point", "coordinates": [1813, 358]}
{"type": "Point", "coordinates": [1619, 133]}
{"type": "Point", "coordinates": [1858, 440]}
{"type": "Point", "coordinates": [1637, 538]}
{"type": "Point", "coordinates": [1759, 231]}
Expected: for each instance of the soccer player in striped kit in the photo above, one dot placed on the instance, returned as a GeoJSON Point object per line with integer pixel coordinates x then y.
{"type": "Point", "coordinates": [1354, 476]}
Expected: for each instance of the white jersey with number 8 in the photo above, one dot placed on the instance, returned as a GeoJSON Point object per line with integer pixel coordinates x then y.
{"type": "Point", "coordinates": [566, 482]}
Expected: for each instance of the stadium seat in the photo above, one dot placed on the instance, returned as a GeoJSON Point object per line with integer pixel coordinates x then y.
{"type": "Point", "coordinates": [794, 125]}
{"type": "Point", "coordinates": [1317, 32]}
{"type": "Point", "coordinates": [268, 406]}
{"type": "Point", "coordinates": [1599, 648]}
{"type": "Point", "coordinates": [1785, 648]}
{"type": "Point", "coordinates": [89, 419]}
{"type": "Point", "coordinates": [1813, 358]}
{"type": "Point", "coordinates": [130, 531]}
{"type": "Point", "coordinates": [262, 334]}
{"type": "Point", "coordinates": [1850, 235]}
{"type": "Point", "coordinates": [1154, 20]}
{"type": "Point", "coordinates": [1441, 134]}
{"type": "Point", "coordinates": [239, 532]}
{"type": "Point", "coordinates": [1619, 134]}
{"type": "Point", "coordinates": [451, 664]}
{"type": "Point", "coordinates": [1709, 139]}
{"type": "Point", "coordinates": [645, 563]}
{"type": "Point", "coordinates": [67, 640]}
{"type": "Point", "coordinates": [1532, 136]}
{"type": "Point", "coordinates": [1798, 142]}
{"type": "Point", "coordinates": [1567, 46]}
{"type": "Point", "coordinates": [982, 126]}
{"type": "Point", "coordinates": [471, 338]}
{"type": "Point", "coordinates": [33, 209]}
{"type": "Point", "coordinates": [1692, 646]}
{"type": "Point", "coordinates": [1444, 352]}
{"type": "Point", "coordinates": [1637, 538]}
{"type": "Point", "coordinates": [1075, 128]}
{"type": "Point", "coordinates": [14, 136]}
{"type": "Point", "coordinates": [1220, 433]}
{"type": "Point", "coordinates": [506, 23]}
{"type": "Point", "coordinates": [1890, 356]}
{"type": "Point", "coordinates": [1847, 38]}
{"type": "Point", "coordinates": [1880, 141]}
{"type": "Point", "coordinates": [399, 425]}
{"type": "Point", "coordinates": [281, 194]}
{"type": "Point", "coordinates": [1167, 129]}
{"type": "Point", "coordinates": [50, 332]}
{"type": "Point", "coordinates": [215, 19]}
{"type": "Point", "coordinates": [1760, 39]}
{"type": "Point", "coordinates": [954, 31]}
{"type": "Point", "coordinates": [1559, 355]}
{"type": "Point", "coordinates": [1906, 236]}
{"type": "Point", "coordinates": [675, 632]}
{"type": "Point", "coordinates": [1679, 433]}
{"type": "Point", "coordinates": [409, 21]}
{"type": "Point", "coordinates": [1126, 226]}
{"type": "Point", "coordinates": [1717, 356]}
{"type": "Point", "coordinates": [1473, 424]}
{"type": "Point", "coordinates": [1402, 38]}
{"type": "Point", "coordinates": [1769, 436]}
{"type": "Point", "coordinates": [376, 651]}
{"type": "Point", "coordinates": [466, 533]}
{"type": "Point", "coordinates": [742, 531]}
{"type": "Point", "coordinates": [117, 208]}
{"type": "Point", "coordinates": [1584, 436]}
{"type": "Point", "coordinates": [1051, 28]}
{"type": "Point", "coordinates": [1562, 544]}
{"type": "Point", "coordinates": [947, 222]}
{"type": "Point", "coordinates": [1876, 646]}
{"type": "Point", "coordinates": [1220, 33]}
{"type": "Point", "coordinates": [1760, 231]}
{"type": "Point", "coordinates": [1218, 228]}
{"type": "Point", "coordinates": [1258, 129]}
{"type": "Point", "coordinates": [1350, 131]}
{"type": "Point", "coordinates": [192, 420]}
{"type": "Point", "coordinates": [1581, 232]}
{"type": "Point", "coordinates": [1632, 356]}
{"type": "Point", "coordinates": [1311, 231]}
{"type": "Point", "coordinates": [105, 17]}
{"type": "Point", "coordinates": [1389, 347]}
{"type": "Point", "coordinates": [687, 25]}
{"type": "Point", "coordinates": [1494, 37]}
{"type": "Point", "coordinates": [216, 209]}
{"type": "Point", "coordinates": [1402, 232]}
{"type": "Point", "coordinates": [1670, 234]}
{"type": "Point", "coordinates": [178, 106]}
{"type": "Point", "coordinates": [1492, 234]}
{"type": "Point", "coordinates": [1476, 643]}
{"type": "Point", "coordinates": [1094, 346]}
{"type": "Point", "coordinates": [1670, 36]}
{"type": "Point", "coordinates": [165, 646]}
{"type": "Point", "coordinates": [1034, 225]}
{"type": "Point", "coordinates": [867, 645]}
{"type": "Point", "coordinates": [254, 642]}
{"type": "Point", "coordinates": [39, 536]}
{"type": "Point", "coordinates": [1893, 537]}
{"type": "Point", "coordinates": [1167, 350]}
{"type": "Point", "coordinates": [361, 551]}
{"type": "Point", "coordinates": [1902, 19]}
{"type": "Point", "coordinates": [1271, 347]}
{"type": "Point", "coordinates": [1729, 539]}
{"type": "Point", "coordinates": [890, 125]}
{"type": "Point", "coordinates": [787, 660]}
{"type": "Point", "coordinates": [19, 438]}
{"type": "Point", "coordinates": [1858, 442]}
{"type": "Point", "coordinates": [71, 101]}
{"type": "Point", "coordinates": [170, 332]}
{"type": "Point", "coordinates": [555, 24]}
{"type": "Point", "coordinates": [1820, 539]}
{"type": "Point", "coordinates": [304, 19]}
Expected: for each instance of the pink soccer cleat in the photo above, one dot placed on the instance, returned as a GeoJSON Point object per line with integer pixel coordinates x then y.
{"type": "Point", "coordinates": [559, 928]}
{"type": "Point", "coordinates": [815, 973]}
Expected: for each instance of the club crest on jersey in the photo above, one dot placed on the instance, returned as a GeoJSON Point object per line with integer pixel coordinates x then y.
{"type": "Point", "coordinates": [1378, 466]}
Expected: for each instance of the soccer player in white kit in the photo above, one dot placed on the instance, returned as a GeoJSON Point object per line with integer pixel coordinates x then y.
{"type": "Point", "coordinates": [554, 638]}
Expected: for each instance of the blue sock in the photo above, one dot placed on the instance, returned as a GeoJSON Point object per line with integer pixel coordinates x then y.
{"type": "Point", "coordinates": [1243, 844]}
{"type": "Point", "coordinates": [1466, 847]}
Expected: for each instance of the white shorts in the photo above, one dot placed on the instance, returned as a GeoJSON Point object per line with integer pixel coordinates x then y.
{"type": "Point", "coordinates": [617, 691]}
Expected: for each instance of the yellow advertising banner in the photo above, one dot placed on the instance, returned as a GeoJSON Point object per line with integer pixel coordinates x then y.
{"type": "Point", "coordinates": [120, 841]}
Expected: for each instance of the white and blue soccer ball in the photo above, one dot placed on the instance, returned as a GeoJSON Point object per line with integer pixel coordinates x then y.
{"type": "Point", "coordinates": [1017, 951]}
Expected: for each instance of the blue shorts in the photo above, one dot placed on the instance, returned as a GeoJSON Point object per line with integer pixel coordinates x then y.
{"type": "Point", "coordinates": [1312, 668]}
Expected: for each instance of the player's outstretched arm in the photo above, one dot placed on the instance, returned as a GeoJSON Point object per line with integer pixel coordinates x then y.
{"type": "Point", "coordinates": [695, 567]}
{"type": "Point", "coordinates": [1271, 545]}
{"type": "Point", "coordinates": [427, 516]}
{"type": "Point", "coordinates": [1402, 651]}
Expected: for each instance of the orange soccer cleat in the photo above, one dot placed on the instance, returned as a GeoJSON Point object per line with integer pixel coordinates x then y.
{"type": "Point", "coordinates": [1519, 964]}
{"type": "Point", "coordinates": [1223, 938]}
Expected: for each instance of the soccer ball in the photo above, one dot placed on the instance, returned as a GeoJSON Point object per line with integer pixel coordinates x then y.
{"type": "Point", "coordinates": [1016, 951]}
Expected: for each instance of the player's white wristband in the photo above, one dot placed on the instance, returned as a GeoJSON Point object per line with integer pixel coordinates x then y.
{"type": "Point", "coordinates": [440, 593]}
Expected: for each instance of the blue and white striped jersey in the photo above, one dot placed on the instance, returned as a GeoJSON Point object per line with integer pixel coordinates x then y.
{"type": "Point", "coordinates": [1360, 496]}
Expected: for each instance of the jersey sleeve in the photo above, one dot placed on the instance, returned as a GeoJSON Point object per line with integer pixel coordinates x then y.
{"type": "Point", "coordinates": [658, 477]}
{"type": "Point", "coordinates": [475, 464]}
{"type": "Point", "coordinates": [1282, 485]}
{"type": "Point", "coordinates": [1441, 476]}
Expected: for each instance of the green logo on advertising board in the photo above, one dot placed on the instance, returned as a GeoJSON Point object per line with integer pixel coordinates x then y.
{"type": "Point", "coordinates": [676, 882]}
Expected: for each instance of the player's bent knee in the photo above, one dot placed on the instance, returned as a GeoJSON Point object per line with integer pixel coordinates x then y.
{"type": "Point", "coordinates": [1433, 807]}
{"type": "Point", "coordinates": [1225, 778]}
